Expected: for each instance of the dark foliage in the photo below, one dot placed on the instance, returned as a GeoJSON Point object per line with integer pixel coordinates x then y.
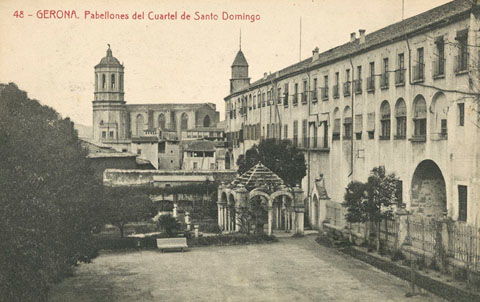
{"type": "Point", "coordinates": [231, 239]}
{"type": "Point", "coordinates": [169, 225]}
{"type": "Point", "coordinates": [283, 158]}
{"type": "Point", "coordinates": [50, 200]}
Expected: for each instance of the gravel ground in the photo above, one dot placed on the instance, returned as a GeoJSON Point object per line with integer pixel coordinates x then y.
{"type": "Point", "coordinates": [294, 269]}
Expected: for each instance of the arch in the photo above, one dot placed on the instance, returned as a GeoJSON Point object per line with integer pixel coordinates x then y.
{"type": "Point", "coordinates": [206, 121]}
{"type": "Point", "coordinates": [231, 199]}
{"type": "Point", "coordinates": [419, 116]}
{"type": "Point", "coordinates": [224, 198]}
{"type": "Point", "coordinates": [428, 189]}
{"type": "Point", "coordinates": [278, 194]}
{"type": "Point", "coordinates": [257, 192]}
{"type": "Point", "coordinates": [104, 81]}
{"type": "Point", "coordinates": [438, 116]}
{"type": "Point", "coordinates": [140, 124]}
{"type": "Point", "coordinates": [184, 121]}
{"type": "Point", "coordinates": [401, 118]}
{"type": "Point", "coordinates": [162, 121]}
{"type": "Point", "coordinates": [385, 120]}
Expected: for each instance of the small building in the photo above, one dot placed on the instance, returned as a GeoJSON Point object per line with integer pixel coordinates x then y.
{"type": "Point", "coordinates": [199, 155]}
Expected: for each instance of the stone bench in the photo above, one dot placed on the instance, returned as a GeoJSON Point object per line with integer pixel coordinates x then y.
{"type": "Point", "coordinates": [171, 243]}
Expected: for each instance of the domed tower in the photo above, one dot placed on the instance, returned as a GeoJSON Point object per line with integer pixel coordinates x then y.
{"type": "Point", "coordinates": [109, 112]}
{"type": "Point", "coordinates": [240, 77]}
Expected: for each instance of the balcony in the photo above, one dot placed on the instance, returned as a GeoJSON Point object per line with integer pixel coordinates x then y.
{"type": "Point", "coordinates": [335, 91]}
{"type": "Point", "coordinates": [371, 84]}
{"type": "Point", "coordinates": [313, 144]}
{"type": "Point", "coordinates": [324, 93]}
{"type": "Point", "coordinates": [400, 77]}
{"type": "Point", "coordinates": [357, 84]}
{"type": "Point", "coordinates": [439, 68]}
{"type": "Point", "coordinates": [461, 63]}
{"type": "Point", "coordinates": [384, 80]}
{"type": "Point", "coordinates": [346, 88]}
{"type": "Point", "coordinates": [419, 72]}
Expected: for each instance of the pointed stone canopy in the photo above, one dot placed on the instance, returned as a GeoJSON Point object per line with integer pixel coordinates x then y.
{"type": "Point", "coordinates": [256, 177]}
{"type": "Point", "coordinates": [109, 60]}
{"type": "Point", "coordinates": [240, 60]}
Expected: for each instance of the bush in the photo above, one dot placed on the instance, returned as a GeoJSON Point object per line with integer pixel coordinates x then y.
{"type": "Point", "coordinates": [169, 225]}
{"type": "Point", "coordinates": [232, 239]}
{"type": "Point", "coordinates": [397, 255]}
{"type": "Point", "coordinates": [211, 228]}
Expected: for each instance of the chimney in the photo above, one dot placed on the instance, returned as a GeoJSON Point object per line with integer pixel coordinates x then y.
{"type": "Point", "coordinates": [315, 54]}
{"type": "Point", "coordinates": [362, 35]}
{"type": "Point", "coordinates": [265, 75]}
{"type": "Point", "coordinates": [353, 37]}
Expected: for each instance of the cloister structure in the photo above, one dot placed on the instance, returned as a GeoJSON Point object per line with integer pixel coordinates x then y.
{"type": "Point", "coordinates": [284, 204]}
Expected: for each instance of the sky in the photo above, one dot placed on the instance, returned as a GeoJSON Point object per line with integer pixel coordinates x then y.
{"type": "Point", "coordinates": [172, 61]}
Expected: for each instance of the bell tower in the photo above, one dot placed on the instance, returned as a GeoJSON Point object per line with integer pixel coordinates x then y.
{"type": "Point", "coordinates": [239, 67]}
{"type": "Point", "coordinates": [109, 112]}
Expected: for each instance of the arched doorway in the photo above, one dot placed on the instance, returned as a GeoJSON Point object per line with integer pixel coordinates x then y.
{"type": "Point", "coordinates": [428, 190]}
{"type": "Point", "coordinates": [282, 213]}
{"type": "Point", "coordinates": [206, 121]}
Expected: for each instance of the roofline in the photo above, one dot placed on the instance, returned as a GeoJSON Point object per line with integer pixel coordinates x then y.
{"type": "Point", "coordinates": [417, 31]}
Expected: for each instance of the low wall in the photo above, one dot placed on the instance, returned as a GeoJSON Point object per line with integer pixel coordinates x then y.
{"type": "Point", "coordinates": [120, 177]}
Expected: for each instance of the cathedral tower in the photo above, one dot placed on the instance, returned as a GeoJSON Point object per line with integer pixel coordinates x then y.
{"type": "Point", "coordinates": [109, 114]}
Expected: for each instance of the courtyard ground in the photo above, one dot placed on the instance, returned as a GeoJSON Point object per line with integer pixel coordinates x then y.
{"type": "Point", "coordinates": [294, 269]}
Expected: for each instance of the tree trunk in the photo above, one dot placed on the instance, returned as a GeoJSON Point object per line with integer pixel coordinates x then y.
{"type": "Point", "coordinates": [378, 235]}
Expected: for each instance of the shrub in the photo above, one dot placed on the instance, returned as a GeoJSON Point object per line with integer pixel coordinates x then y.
{"type": "Point", "coordinates": [169, 225]}
{"type": "Point", "coordinates": [211, 228]}
{"type": "Point", "coordinates": [231, 239]}
{"type": "Point", "coordinates": [397, 255]}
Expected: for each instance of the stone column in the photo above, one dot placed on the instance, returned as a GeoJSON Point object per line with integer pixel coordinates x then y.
{"type": "Point", "coordinates": [299, 210]}
{"type": "Point", "coordinates": [187, 220]}
{"type": "Point", "coordinates": [241, 203]}
{"type": "Point", "coordinates": [196, 230]}
{"type": "Point", "coordinates": [270, 218]}
{"type": "Point", "coordinates": [175, 205]}
{"type": "Point", "coordinates": [402, 234]}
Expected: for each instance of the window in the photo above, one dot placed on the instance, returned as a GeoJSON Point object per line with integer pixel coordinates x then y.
{"type": "Point", "coordinates": [358, 82]}
{"type": "Point", "coordinates": [295, 133]}
{"type": "Point", "coordinates": [212, 166]}
{"type": "Point", "coordinates": [305, 91]}
{"type": "Point", "coordinates": [285, 93]}
{"type": "Point", "coordinates": [279, 95]}
{"type": "Point", "coordinates": [139, 151]}
{"type": "Point", "coordinates": [347, 123]}
{"type": "Point", "coordinates": [439, 61]}
{"type": "Point", "coordinates": [315, 135]}
{"type": "Point", "coordinates": [418, 68]}
{"type": "Point", "coordinates": [104, 81]}
{"type": "Point", "coordinates": [295, 94]}
{"type": "Point", "coordinates": [184, 122]}
{"type": "Point", "coordinates": [263, 99]}
{"type": "Point", "coordinates": [195, 165]}
{"type": "Point", "coordinates": [371, 125]}
{"type": "Point", "coordinates": [420, 118]}
{"type": "Point", "coordinates": [161, 121]}
{"type": "Point", "coordinates": [104, 134]}
{"type": "Point", "coordinates": [385, 120]}
{"type": "Point", "coordinates": [401, 118]}
{"type": "Point", "coordinates": [385, 75]}
{"type": "Point", "coordinates": [461, 60]}
{"type": "Point", "coordinates": [304, 134]}
{"type": "Point", "coordinates": [400, 72]}
{"type": "Point", "coordinates": [371, 78]}
{"type": "Point", "coordinates": [358, 126]}
{"type": "Point", "coordinates": [285, 131]}
{"type": "Point", "coordinates": [315, 92]}
{"type": "Point", "coordinates": [336, 125]}
{"type": "Point", "coordinates": [161, 147]}
{"type": "Point", "coordinates": [444, 130]}
{"type": "Point", "coordinates": [124, 150]}
{"type": "Point", "coordinates": [335, 87]}
{"type": "Point", "coordinates": [325, 88]}
{"type": "Point", "coordinates": [346, 84]}
{"type": "Point", "coordinates": [462, 203]}
{"type": "Point", "coordinates": [113, 81]}
{"type": "Point", "coordinates": [461, 114]}
{"type": "Point", "coordinates": [140, 125]}
{"type": "Point", "coordinates": [111, 134]}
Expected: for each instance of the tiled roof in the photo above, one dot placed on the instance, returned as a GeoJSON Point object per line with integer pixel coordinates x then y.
{"type": "Point", "coordinates": [240, 60]}
{"type": "Point", "coordinates": [434, 17]}
{"type": "Point", "coordinates": [145, 139]}
{"type": "Point", "coordinates": [257, 176]}
{"type": "Point", "coordinates": [198, 145]}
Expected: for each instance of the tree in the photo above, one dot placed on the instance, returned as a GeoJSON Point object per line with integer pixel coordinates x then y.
{"type": "Point", "coordinates": [283, 158]}
{"type": "Point", "coordinates": [126, 204]}
{"type": "Point", "coordinates": [169, 225]}
{"type": "Point", "coordinates": [372, 201]}
{"type": "Point", "coordinates": [49, 198]}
